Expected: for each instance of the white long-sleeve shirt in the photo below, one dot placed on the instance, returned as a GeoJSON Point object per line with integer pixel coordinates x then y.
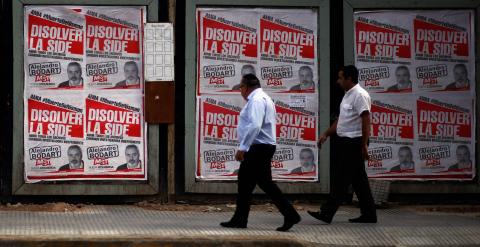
{"type": "Point", "coordinates": [257, 124]}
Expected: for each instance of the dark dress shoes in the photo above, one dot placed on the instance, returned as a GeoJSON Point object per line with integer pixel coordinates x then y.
{"type": "Point", "coordinates": [233, 224]}
{"type": "Point", "coordinates": [364, 219]}
{"type": "Point", "coordinates": [288, 223]}
{"type": "Point", "coordinates": [321, 217]}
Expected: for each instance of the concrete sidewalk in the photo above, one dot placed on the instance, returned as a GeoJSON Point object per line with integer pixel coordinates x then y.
{"type": "Point", "coordinates": [134, 226]}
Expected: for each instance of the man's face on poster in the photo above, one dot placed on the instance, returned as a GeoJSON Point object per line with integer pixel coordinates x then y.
{"type": "Point", "coordinates": [460, 74]}
{"type": "Point", "coordinates": [131, 72]}
{"type": "Point", "coordinates": [306, 158]}
{"type": "Point", "coordinates": [74, 73]}
{"type": "Point", "coordinates": [403, 76]}
{"type": "Point", "coordinates": [305, 75]}
{"type": "Point", "coordinates": [405, 156]}
{"type": "Point", "coordinates": [463, 155]}
{"type": "Point", "coordinates": [132, 156]}
{"type": "Point", "coordinates": [74, 156]}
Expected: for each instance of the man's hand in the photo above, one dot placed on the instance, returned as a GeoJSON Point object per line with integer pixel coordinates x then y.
{"type": "Point", "coordinates": [323, 138]}
{"type": "Point", "coordinates": [365, 152]}
{"type": "Point", "coordinates": [239, 155]}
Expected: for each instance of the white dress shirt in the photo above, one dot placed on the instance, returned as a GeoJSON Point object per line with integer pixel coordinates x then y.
{"type": "Point", "coordinates": [257, 124]}
{"type": "Point", "coordinates": [354, 102]}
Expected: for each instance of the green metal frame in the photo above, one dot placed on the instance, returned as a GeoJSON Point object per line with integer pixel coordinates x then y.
{"type": "Point", "coordinates": [349, 6]}
{"type": "Point", "coordinates": [19, 187]}
{"type": "Point", "coordinates": [322, 6]}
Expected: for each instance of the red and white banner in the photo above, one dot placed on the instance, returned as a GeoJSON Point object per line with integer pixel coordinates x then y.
{"type": "Point", "coordinates": [278, 46]}
{"type": "Point", "coordinates": [90, 127]}
{"type": "Point", "coordinates": [54, 48]}
{"type": "Point", "coordinates": [421, 62]}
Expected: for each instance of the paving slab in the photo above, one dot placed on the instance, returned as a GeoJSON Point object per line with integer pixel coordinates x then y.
{"type": "Point", "coordinates": [131, 224]}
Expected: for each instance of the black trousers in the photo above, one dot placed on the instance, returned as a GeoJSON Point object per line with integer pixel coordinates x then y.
{"type": "Point", "coordinates": [256, 169]}
{"type": "Point", "coordinates": [349, 170]}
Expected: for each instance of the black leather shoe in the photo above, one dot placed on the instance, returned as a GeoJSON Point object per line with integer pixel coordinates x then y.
{"type": "Point", "coordinates": [232, 224]}
{"type": "Point", "coordinates": [364, 219]}
{"type": "Point", "coordinates": [320, 216]}
{"type": "Point", "coordinates": [288, 223]}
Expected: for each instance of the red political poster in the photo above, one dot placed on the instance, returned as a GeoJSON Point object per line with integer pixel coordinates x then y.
{"type": "Point", "coordinates": [227, 49]}
{"type": "Point", "coordinates": [296, 156]}
{"type": "Point", "coordinates": [217, 139]}
{"type": "Point", "coordinates": [114, 41]}
{"type": "Point", "coordinates": [54, 136]}
{"type": "Point", "coordinates": [444, 51]}
{"type": "Point", "coordinates": [446, 136]}
{"type": "Point", "coordinates": [54, 48]}
{"type": "Point", "coordinates": [392, 137]}
{"type": "Point", "coordinates": [288, 50]}
{"type": "Point", "coordinates": [383, 51]}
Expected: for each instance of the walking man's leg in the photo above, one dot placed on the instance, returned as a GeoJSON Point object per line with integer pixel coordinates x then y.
{"type": "Point", "coordinates": [364, 194]}
{"type": "Point", "coordinates": [265, 182]}
{"type": "Point", "coordinates": [246, 185]}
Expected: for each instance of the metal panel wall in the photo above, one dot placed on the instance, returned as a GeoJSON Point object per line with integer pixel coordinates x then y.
{"type": "Point", "coordinates": [349, 6]}
{"type": "Point", "coordinates": [322, 6]}
{"type": "Point", "coordinates": [149, 187]}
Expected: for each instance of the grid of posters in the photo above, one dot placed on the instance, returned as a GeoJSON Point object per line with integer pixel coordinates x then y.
{"type": "Point", "coordinates": [419, 68]}
{"type": "Point", "coordinates": [279, 46]}
{"type": "Point", "coordinates": [83, 93]}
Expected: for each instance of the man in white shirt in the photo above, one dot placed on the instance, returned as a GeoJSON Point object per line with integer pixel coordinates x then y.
{"type": "Point", "coordinates": [257, 137]}
{"type": "Point", "coordinates": [353, 130]}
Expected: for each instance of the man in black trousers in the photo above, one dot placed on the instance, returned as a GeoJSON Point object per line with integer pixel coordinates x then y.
{"type": "Point", "coordinates": [353, 130]}
{"type": "Point", "coordinates": [257, 136]}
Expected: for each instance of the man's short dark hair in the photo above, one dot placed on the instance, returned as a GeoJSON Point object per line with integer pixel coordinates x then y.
{"type": "Point", "coordinates": [350, 71]}
{"type": "Point", "coordinates": [465, 148]}
{"type": "Point", "coordinates": [460, 65]}
{"type": "Point", "coordinates": [307, 150]}
{"type": "Point", "coordinates": [251, 81]}
{"type": "Point", "coordinates": [131, 63]}
{"type": "Point", "coordinates": [402, 67]}
{"type": "Point", "coordinates": [74, 64]}
{"type": "Point", "coordinates": [132, 146]}
{"type": "Point", "coordinates": [305, 67]}
{"type": "Point", "coordinates": [406, 148]}
{"type": "Point", "coordinates": [75, 147]}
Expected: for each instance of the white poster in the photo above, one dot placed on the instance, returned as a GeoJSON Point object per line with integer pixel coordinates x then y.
{"type": "Point", "coordinates": [159, 52]}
